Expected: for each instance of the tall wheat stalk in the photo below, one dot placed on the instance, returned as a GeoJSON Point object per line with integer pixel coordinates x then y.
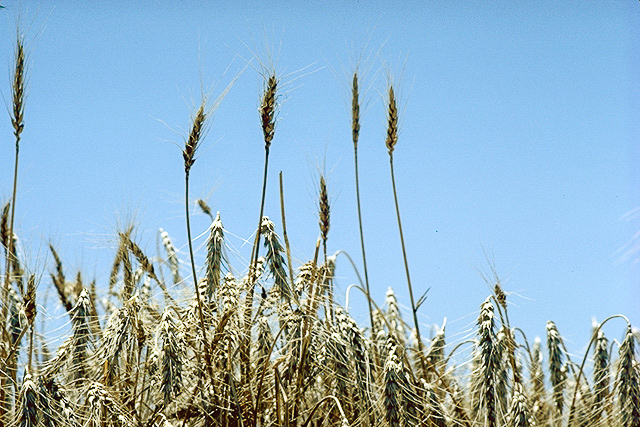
{"type": "Point", "coordinates": [18, 83]}
{"type": "Point", "coordinates": [391, 141]}
{"type": "Point", "coordinates": [355, 136]}
{"type": "Point", "coordinates": [191, 145]}
{"type": "Point", "coordinates": [17, 121]}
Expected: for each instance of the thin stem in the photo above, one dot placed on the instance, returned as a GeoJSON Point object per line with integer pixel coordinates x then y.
{"type": "Point", "coordinates": [207, 355]}
{"type": "Point", "coordinates": [245, 348]}
{"type": "Point", "coordinates": [256, 243]}
{"type": "Point", "coordinates": [10, 249]}
{"type": "Point", "coordinates": [594, 336]}
{"type": "Point", "coordinates": [406, 266]}
{"type": "Point", "coordinates": [284, 230]}
{"type": "Point", "coordinates": [364, 257]}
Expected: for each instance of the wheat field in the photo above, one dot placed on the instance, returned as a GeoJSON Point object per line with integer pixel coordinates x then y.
{"type": "Point", "coordinates": [172, 343]}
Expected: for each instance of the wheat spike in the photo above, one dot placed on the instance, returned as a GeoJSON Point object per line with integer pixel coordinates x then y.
{"type": "Point", "coordinates": [556, 369]}
{"type": "Point", "coordinates": [193, 141]}
{"type": "Point", "coordinates": [392, 122]}
{"type": "Point", "coordinates": [267, 110]}
{"type": "Point", "coordinates": [628, 382]}
{"type": "Point", "coordinates": [214, 257]}
{"type": "Point", "coordinates": [28, 402]}
{"type": "Point", "coordinates": [487, 366]}
{"type": "Point", "coordinates": [600, 374]}
{"type": "Point", "coordinates": [171, 356]}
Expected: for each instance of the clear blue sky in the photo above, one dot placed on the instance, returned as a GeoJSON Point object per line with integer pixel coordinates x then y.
{"type": "Point", "coordinates": [520, 139]}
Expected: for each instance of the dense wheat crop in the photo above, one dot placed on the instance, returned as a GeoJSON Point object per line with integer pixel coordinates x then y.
{"type": "Point", "coordinates": [166, 342]}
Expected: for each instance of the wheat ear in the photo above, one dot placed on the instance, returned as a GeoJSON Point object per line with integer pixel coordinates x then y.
{"type": "Point", "coordinates": [601, 368]}
{"type": "Point", "coordinates": [518, 415]}
{"type": "Point", "coordinates": [487, 366]}
{"type": "Point", "coordinates": [214, 256]}
{"type": "Point", "coordinates": [28, 402]}
{"type": "Point", "coordinates": [557, 370]}
{"type": "Point", "coordinates": [628, 382]}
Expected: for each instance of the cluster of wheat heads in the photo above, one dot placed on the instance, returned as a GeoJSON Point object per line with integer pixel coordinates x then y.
{"type": "Point", "coordinates": [165, 347]}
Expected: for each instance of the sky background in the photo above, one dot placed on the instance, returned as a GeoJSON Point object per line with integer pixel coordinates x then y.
{"type": "Point", "coordinates": [519, 143]}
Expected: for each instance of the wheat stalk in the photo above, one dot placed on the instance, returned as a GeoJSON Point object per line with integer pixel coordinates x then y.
{"type": "Point", "coordinates": [391, 141]}
{"type": "Point", "coordinates": [17, 120]}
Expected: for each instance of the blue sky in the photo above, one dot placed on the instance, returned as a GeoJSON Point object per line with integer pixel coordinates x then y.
{"type": "Point", "coordinates": [519, 142]}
